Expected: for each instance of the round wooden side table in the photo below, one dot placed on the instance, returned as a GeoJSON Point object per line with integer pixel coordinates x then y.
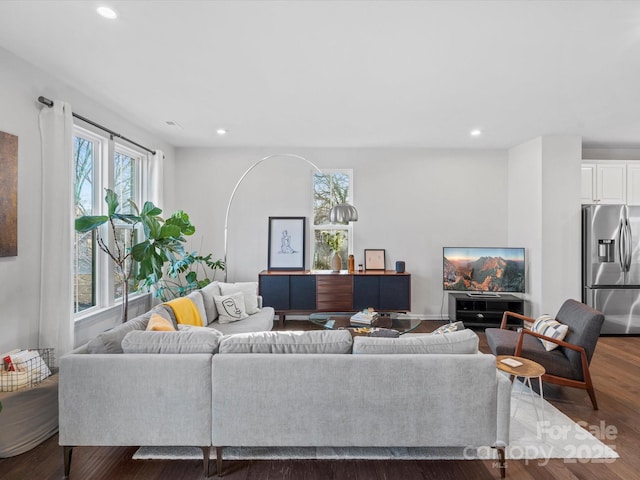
{"type": "Point", "coordinates": [526, 371]}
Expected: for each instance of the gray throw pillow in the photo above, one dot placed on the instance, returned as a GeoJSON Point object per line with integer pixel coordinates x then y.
{"type": "Point", "coordinates": [208, 292]}
{"type": "Point", "coordinates": [111, 340]}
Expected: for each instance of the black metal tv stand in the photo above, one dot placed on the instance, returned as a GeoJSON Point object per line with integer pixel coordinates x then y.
{"type": "Point", "coordinates": [484, 311]}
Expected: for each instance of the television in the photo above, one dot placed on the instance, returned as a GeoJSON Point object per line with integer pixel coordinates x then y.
{"type": "Point", "coordinates": [483, 270]}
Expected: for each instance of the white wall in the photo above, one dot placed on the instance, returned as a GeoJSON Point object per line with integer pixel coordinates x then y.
{"type": "Point", "coordinates": [411, 202]}
{"type": "Point", "coordinates": [20, 86]}
{"type": "Point", "coordinates": [544, 216]}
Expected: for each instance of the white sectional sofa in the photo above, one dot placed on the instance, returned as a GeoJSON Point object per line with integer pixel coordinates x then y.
{"type": "Point", "coordinates": [314, 388]}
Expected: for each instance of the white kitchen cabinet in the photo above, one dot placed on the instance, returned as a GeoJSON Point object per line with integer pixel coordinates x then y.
{"type": "Point", "coordinates": [588, 190]}
{"type": "Point", "coordinates": [633, 183]}
{"type": "Point", "coordinates": [604, 182]}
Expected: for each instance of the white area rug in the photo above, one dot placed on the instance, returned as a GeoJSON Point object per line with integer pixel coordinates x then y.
{"type": "Point", "coordinates": [532, 437]}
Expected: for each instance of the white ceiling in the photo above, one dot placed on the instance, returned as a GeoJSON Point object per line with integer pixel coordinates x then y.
{"type": "Point", "coordinates": [347, 73]}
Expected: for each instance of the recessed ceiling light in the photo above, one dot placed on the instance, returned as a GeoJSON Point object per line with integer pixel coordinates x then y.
{"type": "Point", "coordinates": [107, 12]}
{"type": "Point", "coordinates": [476, 132]}
{"type": "Point", "coordinates": [221, 131]}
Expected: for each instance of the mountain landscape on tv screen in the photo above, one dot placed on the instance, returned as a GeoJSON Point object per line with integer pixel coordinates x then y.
{"type": "Point", "coordinates": [487, 274]}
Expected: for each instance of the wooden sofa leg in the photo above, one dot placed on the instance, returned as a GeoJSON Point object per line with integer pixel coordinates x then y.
{"type": "Point", "coordinates": [219, 461]}
{"type": "Point", "coordinates": [66, 452]}
{"type": "Point", "coordinates": [502, 461]}
{"type": "Point", "coordinates": [206, 452]}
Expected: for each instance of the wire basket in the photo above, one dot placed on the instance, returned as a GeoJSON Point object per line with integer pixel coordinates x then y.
{"type": "Point", "coordinates": [26, 368]}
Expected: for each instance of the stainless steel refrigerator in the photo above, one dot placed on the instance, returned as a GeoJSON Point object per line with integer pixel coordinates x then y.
{"type": "Point", "coordinates": [611, 265]}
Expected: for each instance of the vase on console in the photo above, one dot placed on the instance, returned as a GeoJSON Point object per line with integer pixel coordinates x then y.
{"type": "Point", "coordinates": [336, 262]}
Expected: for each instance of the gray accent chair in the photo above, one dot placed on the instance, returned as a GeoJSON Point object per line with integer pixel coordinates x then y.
{"type": "Point", "coordinates": [567, 365]}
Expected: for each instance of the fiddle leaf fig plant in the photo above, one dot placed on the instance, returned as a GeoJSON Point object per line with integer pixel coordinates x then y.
{"type": "Point", "coordinates": [144, 261]}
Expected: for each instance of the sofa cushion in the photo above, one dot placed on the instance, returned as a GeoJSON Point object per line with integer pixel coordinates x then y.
{"type": "Point", "coordinates": [190, 340]}
{"type": "Point", "coordinates": [549, 327]}
{"type": "Point", "coordinates": [230, 307]}
{"type": "Point", "coordinates": [248, 289]}
{"type": "Point", "coordinates": [111, 340]}
{"type": "Point", "coordinates": [314, 341]}
{"type": "Point", "coordinates": [208, 292]}
{"type": "Point", "coordinates": [463, 341]}
{"type": "Point", "coordinates": [258, 322]}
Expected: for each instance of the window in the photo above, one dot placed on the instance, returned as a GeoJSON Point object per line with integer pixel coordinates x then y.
{"type": "Point", "coordinates": [330, 188]}
{"type": "Point", "coordinates": [101, 163]}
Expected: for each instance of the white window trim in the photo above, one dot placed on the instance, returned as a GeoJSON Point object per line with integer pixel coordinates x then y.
{"type": "Point", "coordinates": [106, 147]}
{"type": "Point", "coordinates": [330, 226]}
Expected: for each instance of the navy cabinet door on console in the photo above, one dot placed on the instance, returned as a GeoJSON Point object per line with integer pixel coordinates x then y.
{"type": "Point", "coordinates": [366, 292]}
{"type": "Point", "coordinates": [395, 293]}
{"type": "Point", "coordinates": [302, 292]}
{"type": "Point", "coordinates": [275, 291]}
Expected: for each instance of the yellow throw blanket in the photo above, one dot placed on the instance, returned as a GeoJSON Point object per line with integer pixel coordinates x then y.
{"type": "Point", "coordinates": [185, 311]}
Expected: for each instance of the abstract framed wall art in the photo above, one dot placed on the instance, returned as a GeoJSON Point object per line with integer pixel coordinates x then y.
{"type": "Point", "coordinates": [286, 243]}
{"type": "Point", "coordinates": [8, 195]}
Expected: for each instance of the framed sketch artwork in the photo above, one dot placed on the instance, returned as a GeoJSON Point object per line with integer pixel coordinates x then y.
{"type": "Point", "coordinates": [286, 243]}
{"type": "Point", "coordinates": [374, 259]}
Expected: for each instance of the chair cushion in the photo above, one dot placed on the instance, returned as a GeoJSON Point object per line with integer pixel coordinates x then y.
{"type": "Point", "coordinates": [503, 342]}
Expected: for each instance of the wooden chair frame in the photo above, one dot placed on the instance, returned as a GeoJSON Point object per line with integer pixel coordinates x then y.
{"type": "Point", "coordinates": [585, 384]}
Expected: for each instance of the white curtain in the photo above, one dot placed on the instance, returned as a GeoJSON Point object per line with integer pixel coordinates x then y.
{"type": "Point", "coordinates": [56, 264]}
{"type": "Point", "coordinates": [155, 175]}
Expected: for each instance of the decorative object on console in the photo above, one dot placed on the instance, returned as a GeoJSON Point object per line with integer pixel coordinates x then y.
{"type": "Point", "coordinates": [374, 259]}
{"type": "Point", "coordinates": [341, 213]}
{"type": "Point", "coordinates": [286, 243]}
{"type": "Point", "coordinates": [335, 241]}
{"type": "Point", "coordinates": [400, 266]}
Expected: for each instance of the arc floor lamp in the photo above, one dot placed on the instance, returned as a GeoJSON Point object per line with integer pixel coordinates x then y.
{"type": "Point", "coordinates": [341, 213]}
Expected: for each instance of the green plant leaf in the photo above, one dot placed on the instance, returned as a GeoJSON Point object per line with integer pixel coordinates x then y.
{"type": "Point", "coordinates": [151, 227]}
{"type": "Point", "coordinates": [167, 231]}
{"type": "Point", "coordinates": [112, 201]}
{"type": "Point", "coordinates": [141, 250]}
{"type": "Point", "coordinates": [127, 218]}
{"type": "Point", "coordinates": [191, 277]}
{"type": "Point", "coordinates": [90, 222]}
{"type": "Point", "coordinates": [150, 210]}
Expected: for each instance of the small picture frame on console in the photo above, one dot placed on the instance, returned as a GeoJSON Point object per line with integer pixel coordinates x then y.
{"type": "Point", "coordinates": [286, 243]}
{"type": "Point", "coordinates": [374, 259]}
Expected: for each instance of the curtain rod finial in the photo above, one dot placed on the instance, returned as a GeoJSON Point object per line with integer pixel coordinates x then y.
{"type": "Point", "coordinates": [45, 101]}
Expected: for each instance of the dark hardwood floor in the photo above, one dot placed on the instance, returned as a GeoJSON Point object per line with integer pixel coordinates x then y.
{"type": "Point", "coordinates": [616, 374]}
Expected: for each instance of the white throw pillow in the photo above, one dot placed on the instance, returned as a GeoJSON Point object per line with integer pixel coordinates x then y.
{"type": "Point", "coordinates": [248, 289]}
{"type": "Point", "coordinates": [549, 327]}
{"type": "Point", "coordinates": [230, 307]}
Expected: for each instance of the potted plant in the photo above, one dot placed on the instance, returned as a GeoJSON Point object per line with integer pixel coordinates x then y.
{"type": "Point", "coordinates": [335, 241]}
{"type": "Point", "coordinates": [144, 261]}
